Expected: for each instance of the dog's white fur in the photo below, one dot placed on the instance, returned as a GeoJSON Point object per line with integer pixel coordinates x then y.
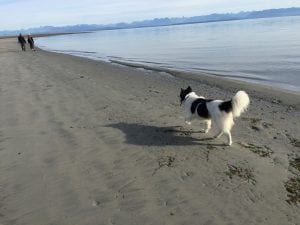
{"type": "Point", "coordinates": [223, 120]}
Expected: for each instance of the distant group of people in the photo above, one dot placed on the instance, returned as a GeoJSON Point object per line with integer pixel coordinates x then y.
{"type": "Point", "coordinates": [22, 41]}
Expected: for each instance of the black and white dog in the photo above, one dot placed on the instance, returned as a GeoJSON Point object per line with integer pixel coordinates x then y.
{"type": "Point", "coordinates": [220, 112]}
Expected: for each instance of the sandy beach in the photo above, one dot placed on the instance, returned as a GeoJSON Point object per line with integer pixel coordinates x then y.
{"type": "Point", "coordinates": [89, 142]}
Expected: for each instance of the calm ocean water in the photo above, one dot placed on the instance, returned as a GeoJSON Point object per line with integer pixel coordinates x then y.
{"type": "Point", "coordinates": [263, 51]}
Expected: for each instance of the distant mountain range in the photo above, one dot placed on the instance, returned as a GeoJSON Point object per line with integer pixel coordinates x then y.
{"type": "Point", "coordinates": [158, 22]}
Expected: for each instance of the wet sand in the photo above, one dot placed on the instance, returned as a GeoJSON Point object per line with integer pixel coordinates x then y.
{"type": "Point", "coordinates": [88, 142]}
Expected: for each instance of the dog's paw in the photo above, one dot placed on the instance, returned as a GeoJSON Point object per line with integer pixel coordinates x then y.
{"type": "Point", "coordinates": [229, 144]}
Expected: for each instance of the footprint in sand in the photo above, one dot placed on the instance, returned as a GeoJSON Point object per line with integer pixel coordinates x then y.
{"type": "Point", "coordinates": [292, 185]}
{"type": "Point", "coordinates": [243, 173]}
{"type": "Point", "coordinates": [181, 131]}
{"type": "Point", "coordinates": [164, 161]}
{"type": "Point", "coordinates": [293, 141]}
{"type": "Point", "coordinates": [295, 163]}
{"type": "Point", "coordinates": [154, 91]}
{"type": "Point", "coordinates": [95, 203]}
{"type": "Point", "coordinates": [262, 151]}
{"type": "Point", "coordinates": [257, 124]}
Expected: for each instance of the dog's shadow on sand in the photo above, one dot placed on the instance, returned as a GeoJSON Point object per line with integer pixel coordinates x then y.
{"type": "Point", "coordinates": [140, 134]}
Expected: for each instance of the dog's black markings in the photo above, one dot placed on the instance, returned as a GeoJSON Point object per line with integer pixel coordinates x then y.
{"type": "Point", "coordinates": [226, 106]}
{"type": "Point", "coordinates": [184, 93]}
{"type": "Point", "coordinates": [200, 105]}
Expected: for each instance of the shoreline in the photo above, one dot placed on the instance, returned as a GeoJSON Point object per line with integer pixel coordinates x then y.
{"type": "Point", "coordinates": [275, 94]}
{"type": "Point", "coordinates": [258, 90]}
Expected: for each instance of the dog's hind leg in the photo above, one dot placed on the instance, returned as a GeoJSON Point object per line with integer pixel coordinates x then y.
{"type": "Point", "coordinates": [208, 126]}
{"type": "Point", "coordinates": [228, 133]}
{"type": "Point", "coordinates": [228, 136]}
{"type": "Point", "coordinates": [218, 134]}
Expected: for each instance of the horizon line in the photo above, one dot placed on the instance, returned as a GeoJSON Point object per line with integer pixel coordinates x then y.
{"type": "Point", "coordinates": [144, 20]}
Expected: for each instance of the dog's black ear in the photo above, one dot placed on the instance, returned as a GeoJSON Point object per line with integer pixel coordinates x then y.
{"type": "Point", "coordinates": [189, 89]}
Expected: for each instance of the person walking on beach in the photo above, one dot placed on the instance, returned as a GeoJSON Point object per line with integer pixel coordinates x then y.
{"type": "Point", "coordinates": [22, 42]}
{"type": "Point", "coordinates": [30, 42]}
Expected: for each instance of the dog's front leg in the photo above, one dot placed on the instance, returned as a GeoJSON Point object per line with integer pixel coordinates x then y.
{"type": "Point", "coordinates": [188, 118]}
{"type": "Point", "coordinates": [208, 126]}
{"type": "Point", "coordinates": [187, 121]}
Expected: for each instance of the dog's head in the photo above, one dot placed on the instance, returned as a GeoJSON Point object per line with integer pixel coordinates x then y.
{"type": "Point", "coordinates": [184, 93]}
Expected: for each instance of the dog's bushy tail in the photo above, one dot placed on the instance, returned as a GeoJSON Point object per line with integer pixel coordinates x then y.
{"type": "Point", "coordinates": [240, 103]}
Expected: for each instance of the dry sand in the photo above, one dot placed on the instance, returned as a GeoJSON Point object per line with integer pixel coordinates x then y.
{"type": "Point", "coordinates": [87, 142]}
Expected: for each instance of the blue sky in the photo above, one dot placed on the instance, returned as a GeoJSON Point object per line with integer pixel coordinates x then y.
{"type": "Point", "coordinates": [16, 14]}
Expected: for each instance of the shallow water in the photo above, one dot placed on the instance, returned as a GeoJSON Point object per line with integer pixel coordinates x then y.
{"type": "Point", "coordinates": [265, 51]}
